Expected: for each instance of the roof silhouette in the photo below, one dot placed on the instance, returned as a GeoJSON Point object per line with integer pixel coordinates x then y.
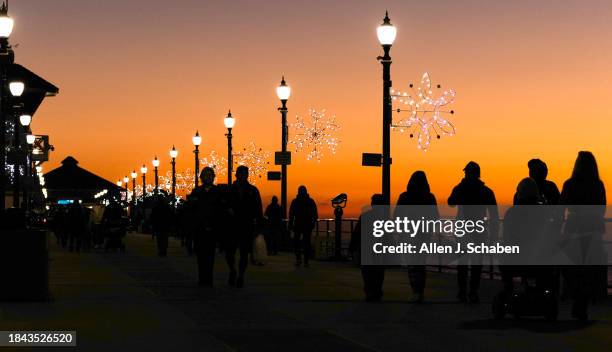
{"type": "Point", "coordinates": [36, 87]}
{"type": "Point", "coordinates": [71, 181]}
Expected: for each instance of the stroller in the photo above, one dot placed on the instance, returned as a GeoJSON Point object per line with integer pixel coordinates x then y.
{"type": "Point", "coordinates": [114, 233]}
{"type": "Point", "coordinates": [536, 296]}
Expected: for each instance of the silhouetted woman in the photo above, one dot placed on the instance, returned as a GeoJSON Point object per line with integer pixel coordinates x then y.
{"type": "Point", "coordinates": [584, 197]}
{"type": "Point", "coordinates": [418, 193]}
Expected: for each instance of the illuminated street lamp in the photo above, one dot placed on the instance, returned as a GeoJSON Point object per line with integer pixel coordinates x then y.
{"type": "Point", "coordinates": [16, 88]}
{"type": "Point", "coordinates": [155, 163]}
{"type": "Point", "coordinates": [197, 140]}
{"type": "Point", "coordinates": [126, 181]}
{"type": "Point", "coordinates": [283, 91]}
{"type": "Point", "coordinates": [386, 33]}
{"type": "Point", "coordinates": [6, 23]}
{"type": "Point", "coordinates": [173, 155]}
{"type": "Point", "coordinates": [25, 120]}
{"type": "Point", "coordinates": [134, 175]}
{"type": "Point", "coordinates": [229, 121]}
{"type": "Point", "coordinates": [143, 171]}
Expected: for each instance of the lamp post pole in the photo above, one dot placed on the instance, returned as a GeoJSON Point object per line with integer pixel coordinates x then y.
{"type": "Point", "coordinates": [173, 155]}
{"type": "Point", "coordinates": [229, 121]}
{"type": "Point", "coordinates": [16, 89]}
{"type": "Point", "coordinates": [133, 212]}
{"type": "Point", "coordinates": [283, 91]}
{"type": "Point", "coordinates": [155, 171]}
{"type": "Point", "coordinates": [126, 181]}
{"type": "Point", "coordinates": [197, 140]}
{"type": "Point", "coordinates": [7, 57]}
{"type": "Point", "coordinates": [143, 170]}
{"type": "Point", "coordinates": [386, 35]}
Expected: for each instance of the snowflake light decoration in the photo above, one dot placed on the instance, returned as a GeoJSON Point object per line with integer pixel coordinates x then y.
{"type": "Point", "coordinates": [317, 136]}
{"type": "Point", "coordinates": [255, 158]}
{"type": "Point", "coordinates": [425, 112]}
{"type": "Point", "coordinates": [217, 162]}
{"type": "Point", "coordinates": [185, 182]}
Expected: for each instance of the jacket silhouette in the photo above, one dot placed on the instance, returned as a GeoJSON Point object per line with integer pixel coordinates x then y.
{"type": "Point", "coordinates": [274, 215]}
{"type": "Point", "coordinates": [207, 207]}
{"type": "Point", "coordinates": [415, 203]}
{"type": "Point", "coordinates": [246, 219]}
{"type": "Point", "coordinates": [303, 217]}
{"type": "Point", "coordinates": [476, 202]}
{"type": "Point", "coordinates": [584, 197]}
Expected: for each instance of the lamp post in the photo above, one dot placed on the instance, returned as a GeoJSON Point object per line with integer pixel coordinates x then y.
{"type": "Point", "coordinates": [386, 33]}
{"type": "Point", "coordinates": [173, 155]}
{"type": "Point", "coordinates": [143, 171]}
{"type": "Point", "coordinates": [126, 181]}
{"type": "Point", "coordinates": [155, 163]}
{"type": "Point", "coordinates": [283, 91]}
{"type": "Point", "coordinates": [16, 89]}
{"type": "Point", "coordinates": [134, 175]}
{"type": "Point", "coordinates": [120, 185]}
{"type": "Point", "coordinates": [7, 57]}
{"type": "Point", "coordinates": [30, 139]}
{"type": "Point", "coordinates": [197, 140]}
{"type": "Point", "coordinates": [229, 121]}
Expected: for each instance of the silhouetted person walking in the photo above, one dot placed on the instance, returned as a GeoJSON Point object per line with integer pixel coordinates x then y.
{"type": "Point", "coordinates": [247, 216]}
{"type": "Point", "coordinates": [303, 217]}
{"type": "Point", "coordinates": [416, 203]}
{"type": "Point", "coordinates": [526, 223]}
{"type": "Point", "coordinates": [538, 171]}
{"type": "Point", "coordinates": [205, 203]}
{"type": "Point", "coordinates": [114, 226]}
{"type": "Point", "coordinates": [162, 221]}
{"type": "Point", "coordinates": [75, 226]}
{"type": "Point", "coordinates": [274, 215]}
{"type": "Point", "coordinates": [373, 275]}
{"type": "Point", "coordinates": [584, 196]}
{"type": "Point", "coordinates": [476, 202]}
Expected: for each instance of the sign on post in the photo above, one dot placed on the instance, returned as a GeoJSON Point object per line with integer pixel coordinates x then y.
{"type": "Point", "coordinates": [371, 159]}
{"type": "Point", "coordinates": [282, 158]}
{"type": "Point", "coordinates": [274, 175]}
{"type": "Point", "coordinates": [40, 148]}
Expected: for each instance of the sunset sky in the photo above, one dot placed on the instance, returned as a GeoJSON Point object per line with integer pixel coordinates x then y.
{"type": "Point", "coordinates": [533, 79]}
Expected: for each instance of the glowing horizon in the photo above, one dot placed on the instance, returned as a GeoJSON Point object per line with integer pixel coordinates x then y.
{"type": "Point", "coordinates": [532, 80]}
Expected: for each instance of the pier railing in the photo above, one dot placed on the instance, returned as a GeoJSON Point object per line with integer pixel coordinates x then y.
{"type": "Point", "coordinates": [323, 243]}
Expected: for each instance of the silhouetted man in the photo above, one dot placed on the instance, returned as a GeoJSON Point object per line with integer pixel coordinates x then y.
{"type": "Point", "coordinates": [549, 193]}
{"type": "Point", "coordinates": [476, 202]}
{"type": "Point", "coordinates": [303, 217]}
{"type": "Point", "coordinates": [373, 275]}
{"type": "Point", "coordinates": [247, 217]}
{"type": "Point", "coordinates": [274, 215]}
{"type": "Point", "coordinates": [162, 220]}
{"type": "Point", "coordinates": [205, 203]}
{"type": "Point", "coordinates": [76, 225]}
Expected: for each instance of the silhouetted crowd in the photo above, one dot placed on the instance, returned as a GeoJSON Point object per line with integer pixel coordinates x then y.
{"type": "Point", "coordinates": [231, 219]}
{"type": "Point", "coordinates": [583, 283]}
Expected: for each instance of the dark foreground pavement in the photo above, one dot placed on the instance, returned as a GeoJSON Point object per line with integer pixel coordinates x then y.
{"type": "Point", "coordinates": [139, 302]}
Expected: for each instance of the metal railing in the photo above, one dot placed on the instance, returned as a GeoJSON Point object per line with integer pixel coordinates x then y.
{"type": "Point", "coordinates": [324, 245]}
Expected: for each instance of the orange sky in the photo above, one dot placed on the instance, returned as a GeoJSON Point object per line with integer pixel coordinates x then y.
{"type": "Point", "coordinates": [532, 80]}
